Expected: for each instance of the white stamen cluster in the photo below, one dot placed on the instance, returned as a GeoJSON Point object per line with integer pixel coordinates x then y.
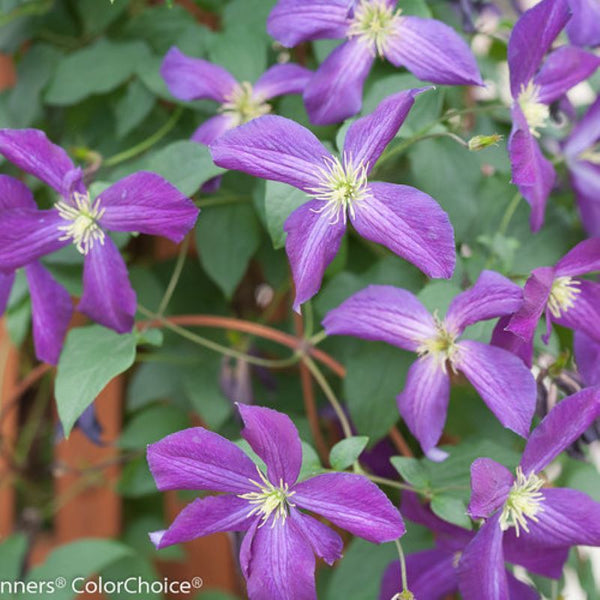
{"type": "Point", "coordinates": [562, 295]}
{"type": "Point", "coordinates": [83, 221]}
{"type": "Point", "coordinates": [342, 184]}
{"type": "Point", "coordinates": [270, 500]}
{"type": "Point", "coordinates": [591, 155]}
{"type": "Point", "coordinates": [523, 502]}
{"type": "Point", "coordinates": [442, 347]}
{"type": "Point", "coordinates": [373, 23]}
{"type": "Point", "coordinates": [243, 106]}
{"type": "Point", "coordinates": [536, 113]}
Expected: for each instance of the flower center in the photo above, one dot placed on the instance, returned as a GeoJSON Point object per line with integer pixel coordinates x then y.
{"type": "Point", "coordinates": [269, 500]}
{"type": "Point", "coordinates": [562, 295]}
{"type": "Point", "coordinates": [373, 23]}
{"type": "Point", "coordinates": [442, 347]}
{"type": "Point", "coordinates": [243, 106]}
{"type": "Point", "coordinates": [523, 502]}
{"type": "Point", "coordinates": [536, 113]}
{"type": "Point", "coordinates": [341, 185]}
{"type": "Point", "coordinates": [83, 226]}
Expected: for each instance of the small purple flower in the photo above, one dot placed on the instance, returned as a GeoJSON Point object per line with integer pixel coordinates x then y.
{"type": "Point", "coordinates": [584, 27]}
{"type": "Point", "coordinates": [142, 202]}
{"type": "Point", "coordinates": [51, 306]}
{"type": "Point", "coordinates": [193, 79]}
{"type": "Point", "coordinates": [277, 555]}
{"type": "Point", "coordinates": [520, 511]}
{"type": "Point", "coordinates": [406, 220]}
{"type": "Point", "coordinates": [396, 316]}
{"type": "Point", "coordinates": [582, 151]}
{"type": "Point", "coordinates": [560, 294]}
{"type": "Point", "coordinates": [428, 48]}
{"type": "Point", "coordinates": [534, 86]}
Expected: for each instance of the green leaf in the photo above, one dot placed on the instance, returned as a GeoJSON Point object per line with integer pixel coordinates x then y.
{"type": "Point", "coordinates": [412, 471]}
{"type": "Point", "coordinates": [227, 237]}
{"type": "Point", "coordinates": [91, 357]}
{"type": "Point", "coordinates": [151, 425]}
{"type": "Point", "coordinates": [346, 452]}
{"type": "Point", "coordinates": [96, 69]}
{"type": "Point", "coordinates": [97, 16]}
{"type": "Point", "coordinates": [133, 107]}
{"type": "Point", "coordinates": [311, 465]}
{"type": "Point", "coordinates": [280, 201]}
{"type": "Point", "coordinates": [12, 555]}
{"type": "Point", "coordinates": [451, 509]}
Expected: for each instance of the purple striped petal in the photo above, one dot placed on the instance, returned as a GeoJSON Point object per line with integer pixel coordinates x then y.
{"type": "Point", "coordinates": [503, 338]}
{"type": "Point", "coordinates": [518, 590]}
{"type": "Point", "coordinates": [410, 223]}
{"type": "Point", "coordinates": [6, 283]}
{"type": "Point", "coordinates": [541, 23]}
{"type": "Point", "coordinates": [563, 69]}
{"type": "Point", "coordinates": [28, 234]}
{"type": "Point", "coordinates": [584, 315]}
{"type": "Point", "coordinates": [280, 80]}
{"type": "Point", "coordinates": [432, 51]}
{"type": "Point", "coordinates": [108, 297]}
{"type": "Point", "coordinates": [312, 242]}
{"type": "Point", "coordinates": [325, 542]}
{"type": "Point", "coordinates": [493, 295]}
{"type": "Point", "coordinates": [490, 485]}
{"type": "Point", "coordinates": [15, 194]}
{"type": "Point", "coordinates": [295, 21]}
{"type": "Point", "coordinates": [583, 28]}
{"type": "Point", "coordinates": [212, 129]}
{"type": "Point", "coordinates": [540, 559]}
{"type": "Point", "coordinates": [335, 91]}
{"type": "Point", "coordinates": [382, 313]}
{"type": "Point", "coordinates": [273, 148]}
{"type": "Point", "coordinates": [274, 437]}
{"type": "Point", "coordinates": [587, 357]}
{"type": "Point", "coordinates": [147, 203]}
{"type": "Point", "coordinates": [423, 403]}
{"type": "Point", "coordinates": [585, 133]}
{"type": "Point", "coordinates": [583, 258]}
{"type": "Point", "coordinates": [198, 459]}
{"type": "Point", "coordinates": [585, 179]}
{"type": "Point", "coordinates": [193, 78]}
{"type": "Point", "coordinates": [560, 428]}
{"type": "Point", "coordinates": [205, 516]}
{"type": "Point", "coordinates": [481, 571]}
{"type": "Point", "coordinates": [353, 503]}
{"type": "Point", "coordinates": [368, 136]}
{"type": "Point", "coordinates": [492, 371]}
{"type": "Point", "coordinates": [51, 311]}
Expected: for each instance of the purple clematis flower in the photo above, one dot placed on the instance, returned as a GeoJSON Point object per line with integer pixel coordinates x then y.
{"type": "Point", "coordinates": [193, 79]}
{"type": "Point", "coordinates": [406, 220]}
{"type": "Point", "coordinates": [142, 202]}
{"type": "Point", "coordinates": [584, 27]}
{"type": "Point", "coordinates": [521, 510]}
{"type": "Point", "coordinates": [534, 86]}
{"type": "Point", "coordinates": [427, 48]}
{"type": "Point", "coordinates": [277, 553]}
{"type": "Point", "coordinates": [560, 294]}
{"type": "Point", "coordinates": [51, 306]}
{"type": "Point", "coordinates": [396, 316]}
{"type": "Point", "coordinates": [582, 151]}
{"type": "Point", "coordinates": [587, 358]}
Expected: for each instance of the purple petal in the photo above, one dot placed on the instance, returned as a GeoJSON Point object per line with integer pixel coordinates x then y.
{"type": "Point", "coordinates": [560, 428]}
{"type": "Point", "coordinates": [541, 23]}
{"type": "Point", "coordinates": [335, 91]}
{"type": "Point", "coordinates": [147, 203]}
{"type": "Point", "coordinates": [198, 459]}
{"type": "Point", "coordinates": [15, 194]}
{"type": "Point", "coordinates": [108, 297]}
{"type": "Point", "coordinates": [33, 152]}
{"type": "Point", "coordinates": [492, 371]}
{"type": "Point", "coordinates": [432, 51]}
{"type": "Point", "coordinates": [493, 295]}
{"type": "Point", "coordinates": [585, 179]}
{"type": "Point", "coordinates": [410, 223]}
{"type": "Point", "coordinates": [312, 242]}
{"type": "Point", "coordinates": [585, 133]}
{"type": "Point", "coordinates": [28, 234]}
{"type": "Point", "coordinates": [205, 516]}
{"type": "Point", "coordinates": [481, 571]}
{"type": "Point", "coordinates": [518, 590]}
{"type": "Point", "coordinates": [583, 28]}
{"type": "Point", "coordinates": [563, 69]}
{"type": "Point", "coordinates": [193, 78]}
{"type": "Point", "coordinates": [281, 563]}
{"type": "Point", "coordinates": [6, 283]}
{"type": "Point", "coordinates": [423, 403]}
{"type": "Point", "coordinates": [490, 485]}
{"type": "Point", "coordinates": [368, 136]}
{"type": "Point", "coordinates": [295, 21]}
{"type": "Point", "coordinates": [503, 338]}
{"type": "Point", "coordinates": [273, 148]}
{"type": "Point", "coordinates": [325, 542]}
{"type": "Point", "coordinates": [382, 313]}
{"type": "Point", "coordinates": [587, 357]}
{"type": "Point", "coordinates": [280, 80]}
{"type": "Point", "coordinates": [51, 310]}
{"type": "Point", "coordinates": [584, 315]}
{"type": "Point", "coordinates": [583, 258]}
{"type": "Point", "coordinates": [351, 502]}
{"type": "Point", "coordinates": [274, 437]}
{"type": "Point", "coordinates": [535, 557]}
{"type": "Point", "coordinates": [212, 129]}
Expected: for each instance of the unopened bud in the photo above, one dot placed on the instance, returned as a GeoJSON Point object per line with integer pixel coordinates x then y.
{"type": "Point", "coordinates": [481, 142]}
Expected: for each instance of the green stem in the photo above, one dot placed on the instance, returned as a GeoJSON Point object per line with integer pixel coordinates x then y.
{"type": "Point", "coordinates": [308, 319]}
{"type": "Point", "coordinates": [317, 338]}
{"type": "Point", "coordinates": [389, 482]}
{"type": "Point", "coordinates": [147, 143]}
{"type": "Point", "coordinates": [509, 213]}
{"type": "Point", "coordinates": [405, 589]}
{"type": "Point", "coordinates": [164, 303]}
